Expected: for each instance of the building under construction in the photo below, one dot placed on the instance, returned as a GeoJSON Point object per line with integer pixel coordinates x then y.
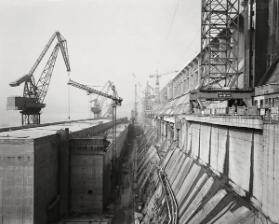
{"type": "Point", "coordinates": [206, 150]}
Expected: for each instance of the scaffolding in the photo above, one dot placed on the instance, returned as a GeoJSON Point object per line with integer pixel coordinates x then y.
{"type": "Point", "coordinates": [219, 44]}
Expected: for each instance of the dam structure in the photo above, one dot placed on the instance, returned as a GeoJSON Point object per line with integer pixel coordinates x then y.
{"type": "Point", "coordinates": [204, 149]}
{"type": "Point", "coordinates": [208, 152]}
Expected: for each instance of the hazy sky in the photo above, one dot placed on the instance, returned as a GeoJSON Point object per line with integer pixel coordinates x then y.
{"type": "Point", "coordinates": [107, 40]}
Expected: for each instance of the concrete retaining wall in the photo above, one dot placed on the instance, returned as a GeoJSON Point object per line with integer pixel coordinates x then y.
{"type": "Point", "coordinates": [16, 182]}
{"type": "Point", "coordinates": [244, 158]}
{"type": "Point", "coordinates": [34, 170]}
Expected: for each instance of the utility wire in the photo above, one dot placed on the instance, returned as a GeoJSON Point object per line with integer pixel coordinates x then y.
{"type": "Point", "coordinates": [169, 31]}
{"type": "Point", "coordinates": [69, 100]}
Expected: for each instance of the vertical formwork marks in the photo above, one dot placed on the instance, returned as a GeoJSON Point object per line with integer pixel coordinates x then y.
{"type": "Point", "coordinates": [191, 138]}
{"type": "Point", "coordinates": [226, 162]}
{"type": "Point", "coordinates": [251, 181]}
{"type": "Point", "coordinates": [209, 154]}
{"type": "Point", "coordinates": [199, 152]}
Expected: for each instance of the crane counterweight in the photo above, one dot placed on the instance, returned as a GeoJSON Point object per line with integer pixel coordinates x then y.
{"type": "Point", "coordinates": [34, 92]}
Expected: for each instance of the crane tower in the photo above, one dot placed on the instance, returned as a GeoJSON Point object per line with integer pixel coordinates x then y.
{"type": "Point", "coordinates": [34, 93]}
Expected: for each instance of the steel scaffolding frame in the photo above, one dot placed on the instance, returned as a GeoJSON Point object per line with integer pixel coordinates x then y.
{"type": "Point", "coordinates": [219, 44]}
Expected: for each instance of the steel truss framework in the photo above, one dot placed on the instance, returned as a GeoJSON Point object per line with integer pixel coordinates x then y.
{"type": "Point", "coordinates": [219, 44]}
{"type": "Point", "coordinates": [30, 118]}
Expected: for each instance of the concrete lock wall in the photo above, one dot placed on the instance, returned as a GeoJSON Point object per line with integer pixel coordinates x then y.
{"type": "Point", "coordinates": [46, 181]}
{"type": "Point", "coordinates": [86, 175]}
{"type": "Point", "coordinates": [34, 171]}
{"type": "Point", "coordinates": [246, 158]}
{"type": "Point", "coordinates": [108, 169]}
{"type": "Point", "coordinates": [16, 182]}
{"type": "Point", "coordinates": [91, 171]}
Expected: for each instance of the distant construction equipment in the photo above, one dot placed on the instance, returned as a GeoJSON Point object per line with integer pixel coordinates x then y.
{"type": "Point", "coordinates": [157, 76]}
{"type": "Point", "coordinates": [99, 102]}
{"type": "Point", "coordinates": [115, 98]}
{"type": "Point", "coordinates": [34, 93]}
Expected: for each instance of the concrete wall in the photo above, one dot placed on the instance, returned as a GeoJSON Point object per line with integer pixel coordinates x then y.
{"type": "Point", "coordinates": [92, 171]}
{"type": "Point", "coordinates": [34, 171]}
{"type": "Point", "coordinates": [46, 182]}
{"type": "Point", "coordinates": [111, 170]}
{"type": "Point", "coordinates": [245, 158]}
{"type": "Point", "coordinates": [86, 175]}
{"type": "Point", "coordinates": [203, 194]}
{"type": "Point", "coordinates": [267, 176]}
{"type": "Point", "coordinates": [16, 182]}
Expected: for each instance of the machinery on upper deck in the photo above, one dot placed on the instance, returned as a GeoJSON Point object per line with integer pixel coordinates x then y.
{"type": "Point", "coordinates": [34, 93]}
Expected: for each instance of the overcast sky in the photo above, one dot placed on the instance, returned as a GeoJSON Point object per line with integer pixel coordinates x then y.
{"type": "Point", "coordinates": [107, 40]}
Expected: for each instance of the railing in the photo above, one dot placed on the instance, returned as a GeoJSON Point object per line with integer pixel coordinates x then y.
{"type": "Point", "coordinates": [171, 201]}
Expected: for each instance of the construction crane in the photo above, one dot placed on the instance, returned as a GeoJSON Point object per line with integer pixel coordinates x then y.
{"type": "Point", "coordinates": [157, 76]}
{"type": "Point", "coordinates": [99, 102]}
{"type": "Point", "coordinates": [115, 98]}
{"type": "Point", "coordinates": [34, 92]}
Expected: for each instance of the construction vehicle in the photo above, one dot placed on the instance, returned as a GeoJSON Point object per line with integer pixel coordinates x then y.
{"type": "Point", "coordinates": [157, 76]}
{"type": "Point", "coordinates": [34, 93]}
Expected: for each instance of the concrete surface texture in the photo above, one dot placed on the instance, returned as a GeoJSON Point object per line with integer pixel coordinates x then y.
{"type": "Point", "coordinates": [218, 174]}
{"type": "Point", "coordinates": [35, 169]}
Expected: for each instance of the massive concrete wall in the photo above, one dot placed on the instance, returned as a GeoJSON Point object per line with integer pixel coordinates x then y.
{"type": "Point", "coordinates": [16, 182]}
{"type": "Point", "coordinates": [34, 170]}
{"type": "Point", "coordinates": [217, 166]}
{"type": "Point", "coordinates": [151, 197]}
{"type": "Point", "coordinates": [46, 181]}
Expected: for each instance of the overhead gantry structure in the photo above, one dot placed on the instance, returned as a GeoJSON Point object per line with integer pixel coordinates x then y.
{"type": "Point", "coordinates": [34, 93]}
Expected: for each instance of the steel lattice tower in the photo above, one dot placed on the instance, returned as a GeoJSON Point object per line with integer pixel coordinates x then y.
{"type": "Point", "coordinates": [219, 44]}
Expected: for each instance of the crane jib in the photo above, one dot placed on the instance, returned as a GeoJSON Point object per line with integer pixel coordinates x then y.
{"type": "Point", "coordinates": [90, 90]}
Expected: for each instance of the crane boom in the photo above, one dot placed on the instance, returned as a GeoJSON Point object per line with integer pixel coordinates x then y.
{"type": "Point", "coordinates": [34, 92]}
{"type": "Point", "coordinates": [90, 90]}
{"type": "Point", "coordinates": [63, 47]}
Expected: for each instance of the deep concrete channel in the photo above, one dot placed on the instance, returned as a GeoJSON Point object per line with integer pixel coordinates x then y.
{"type": "Point", "coordinates": [124, 204]}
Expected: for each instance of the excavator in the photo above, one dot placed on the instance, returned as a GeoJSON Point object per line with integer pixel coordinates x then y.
{"type": "Point", "coordinates": [34, 93]}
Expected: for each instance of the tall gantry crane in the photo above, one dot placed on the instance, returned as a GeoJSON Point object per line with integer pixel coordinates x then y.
{"type": "Point", "coordinates": [115, 98]}
{"type": "Point", "coordinates": [157, 76]}
{"type": "Point", "coordinates": [34, 92]}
